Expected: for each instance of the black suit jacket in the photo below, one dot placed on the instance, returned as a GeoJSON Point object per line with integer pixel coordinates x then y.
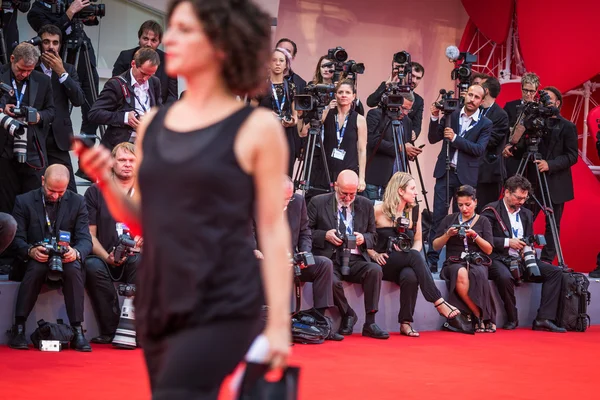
{"type": "Point", "coordinates": [72, 216]}
{"type": "Point", "coordinates": [416, 115]}
{"type": "Point", "coordinates": [492, 169]}
{"type": "Point", "coordinates": [297, 81]}
{"type": "Point", "coordinates": [39, 95]}
{"type": "Point", "coordinates": [9, 24]}
{"type": "Point", "coordinates": [111, 106]}
{"type": "Point", "coordinates": [322, 211]}
{"type": "Point", "coordinates": [168, 85]}
{"type": "Point", "coordinates": [471, 147]}
{"type": "Point", "coordinates": [298, 222]}
{"type": "Point", "coordinates": [381, 158]}
{"type": "Point", "coordinates": [512, 111]}
{"type": "Point", "coordinates": [499, 234]}
{"type": "Point", "coordinates": [68, 91]}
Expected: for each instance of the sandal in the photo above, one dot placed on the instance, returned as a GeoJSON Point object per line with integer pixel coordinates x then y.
{"type": "Point", "coordinates": [478, 325]}
{"type": "Point", "coordinates": [454, 312]}
{"type": "Point", "coordinates": [411, 332]}
{"type": "Point", "coordinates": [490, 327]}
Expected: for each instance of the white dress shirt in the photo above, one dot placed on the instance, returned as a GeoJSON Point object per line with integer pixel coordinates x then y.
{"type": "Point", "coordinates": [515, 229]}
{"type": "Point", "coordinates": [464, 125]}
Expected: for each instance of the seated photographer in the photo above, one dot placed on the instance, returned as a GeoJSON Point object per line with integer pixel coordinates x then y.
{"type": "Point", "coordinates": [23, 152]}
{"type": "Point", "coordinates": [113, 259]}
{"type": "Point", "coordinates": [280, 100]}
{"type": "Point", "coordinates": [321, 273]}
{"type": "Point", "coordinates": [52, 239]}
{"type": "Point", "coordinates": [465, 235]}
{"type": "Point", "coordinates": [398, 251]}
{"type": "Point", "coordinates": [512, 229]}
{"type": "Point", "coordinates": [382, 161]}
{"type": "Point", "coordinates": [126, 98]}
{"type": "Point", "coordinates": [343, 227]}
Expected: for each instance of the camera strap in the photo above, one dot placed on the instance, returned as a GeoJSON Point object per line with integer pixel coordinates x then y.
{"type": "Point", "coordinates": [20, 96]}
{"type": "Point", "coordinates": [126, 93]}
{"type": "Point", "coordinates": [340, 132]}
{"type": "Point", "coordinates": [49, 224]}
{"type": "Point", "coordinates": [499, 219]}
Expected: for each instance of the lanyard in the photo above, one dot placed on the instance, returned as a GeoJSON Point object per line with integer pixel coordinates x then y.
{"type": "Point", "coordinates": [139, 101]}
{"type": "Point", "coordinates": [515, 231]}
{"type": "Point", "coordinates": [279, 104]}
{"type": "Point", "coordinates": [485, 111]}
{"type": "Point", "coordinates": [460, 220]}
{"type": "Point", "coordinates": [17, 96]}
{"type": "Point", "coordinates": [48, 223]}
{"type": "Point", "coordinates": [340, 132]}
{"type": "Point", "coordinates": [343, 218]}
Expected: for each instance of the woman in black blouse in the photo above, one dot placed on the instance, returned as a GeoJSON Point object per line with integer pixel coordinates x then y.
{"type": "Point", "coordinates": [468, 281]}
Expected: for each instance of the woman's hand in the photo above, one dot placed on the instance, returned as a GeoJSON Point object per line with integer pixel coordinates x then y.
{"type": "Point", "coordinates": [361, 185]}
{"type": "Point", "coordinates": [96, 162]}
{"type": "Point", "coordinates": [333, 104]}
{"type": "Point", "coordinates": [452, 232]}
{"type": "Point", "coordinates": [379, 258]}
{"type": "Point", "coordinates": [471, 233]}
{"type": "Point", "coordinates": [279, 345]}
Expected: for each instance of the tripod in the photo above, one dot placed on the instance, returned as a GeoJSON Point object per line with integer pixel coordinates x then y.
{"type": "Point", "coordinates": [448, 123]}
{"type": "Point", "coordinates": [533, 155]}
{"type": "Point", "coordinates": [303, 174]}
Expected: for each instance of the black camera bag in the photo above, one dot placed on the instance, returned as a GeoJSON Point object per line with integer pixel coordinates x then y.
{"type": "Point", "coordinates": [574, 300]}
{"type": "Point", "coordinates": [308, 326]}
{"type": "Point", "coordinates": [49, 331]}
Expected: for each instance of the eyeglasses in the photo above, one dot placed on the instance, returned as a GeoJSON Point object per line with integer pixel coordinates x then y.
{"type": "Point", "coordinates": [527, 91]}
{"type": "Point", "coordinates": [349, 195]}
{"type": "Point", "coordinates": [406, 110]}
{"type": "Point", "coordinates": [520, 198]}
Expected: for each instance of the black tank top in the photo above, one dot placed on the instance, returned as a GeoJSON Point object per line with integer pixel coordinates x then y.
{"type": "Point", "coordinates": [197, 204]}
{"type": "Point", "coordinates": [349, 143]}
{"type": "Point", "coordinates": [384, 234]}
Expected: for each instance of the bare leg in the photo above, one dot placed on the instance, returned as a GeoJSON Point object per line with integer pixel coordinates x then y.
{"type": "Point", "coordinates": [462, 288]}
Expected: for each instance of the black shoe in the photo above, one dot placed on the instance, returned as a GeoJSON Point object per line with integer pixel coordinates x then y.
{"type": "Point", "coordinates": [347, 325]}
{"type": "Point", "coordinates": [334, 336]}
{"type": "Point", "coordinates": [510, 325]}
{"type": "Point", "coordinates": [17, 340]}
{"type": "Point", "coordinates": [374, 331]}
{"type": "Point", "coordinates": [595, 273]}
{"type": "Point", "coordinates": [547, 325]}
{"type": "Point", "coordinates": [103, 339]}
{"type": "Point", "coordinates": [79, 342]}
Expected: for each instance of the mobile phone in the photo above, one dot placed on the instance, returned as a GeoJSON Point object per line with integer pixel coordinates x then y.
{"type": "Point", "coordinates": [88, 141]}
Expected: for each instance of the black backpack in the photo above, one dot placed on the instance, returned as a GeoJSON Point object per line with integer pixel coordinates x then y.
{"type": "Point", "coordinates": [49, 331]}
{"type": "Point", "coordinates": [309, 326]}
{"type": "Point", "coordinates": [574, 300]}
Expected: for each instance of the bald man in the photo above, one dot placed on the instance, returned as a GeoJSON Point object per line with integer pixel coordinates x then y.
{"type": "Point", "coordinates": [45, 215]}
{"type": "Point", "coordinates": [331, 216]}
{"type": "Point", "coordinates": [467, 136]}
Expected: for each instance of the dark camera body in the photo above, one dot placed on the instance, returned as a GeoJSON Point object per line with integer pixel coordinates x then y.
{"type": "Point", "coordinates": [472, 257]}
{"type": "Point", "coordinates": [29, 114]}
{"type": "Point", "coordinates": [462, 73]}
{"type": "Point", "coordinates": [537, 116]}
{"type": "Point", "coordinates": [317, 95]}
{"type": "Point", "coordinates": [339, 56]}
{"type": "Point", "coordinates": [126, 289]}
{"type": "Point", "coordinates": [56, 248]}
{"type": "Point", "coordinates": [302, 260]}
{"type": "Point", "coordinates": [447, 104]}
{"type": "Point", "coordinates": [525, 267]}
{"type": "Point", "coordinates": [462, 229]}
{"type": "Point", "coordinates": [392, 100]}
{"type": "Point", "coordinates": [349, 244]}
{"type": "Point", "coordinates": [401, 240]}
{"type": "Point", "coordinates": [124, 247]}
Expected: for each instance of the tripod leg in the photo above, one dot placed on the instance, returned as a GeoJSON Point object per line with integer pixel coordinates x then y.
{"type": "Point", "coordinates": [3, 47]}
{"type": "Point", "coordinates": [91, 81]}
{"type": "Point", "coordinates": [326, 167]}
{"type": "Point", "coordinates": [422, 182]}
{"type": "Point", "coordinates": [550, 217]}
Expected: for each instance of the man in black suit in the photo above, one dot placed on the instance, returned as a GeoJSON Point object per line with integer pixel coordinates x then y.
{"type": "Point", "coordinates": [65, 88]}
{"type": "Point", "coordinates": [41, 14]}
{"type": "Point", "coordinates": [333, 215]}
{"type": "Point", "coordinates": [31, 88]}
{"type": "Point", "coordinates": [41, 215]}
{"type": "Point", "coordinates": [9, 23]}
{"type": "Point", "coordinates": [127, 97]}
{"type": "Point", "coordinates": [381, 161]}
{"type": "Point", "coordinates": [491, 169]}
{"type": "Point", "coordinates": [150, 35]}
{"type": "Point", "coordinates": [510, 224]}
{"type": "Point", "coordinates": [559, 152]}
{"type": "Point", "coordinates": [467, 136]}
{"type": "Point", "coordinates": [416, 114]}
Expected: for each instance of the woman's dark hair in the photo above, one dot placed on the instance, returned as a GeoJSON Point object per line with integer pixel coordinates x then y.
{"type": "Point", "coordinates": [318, 77]}
{"type": "Point", "coordinates": [153, 27]}
{"type": "Point", "coordinates": [242, 31]}
{"type": "Point", "coordinates": [517, 182]}
{"type": "Point", "coordinates": [348, 82]}
{"type": "Point", "coordinates": [52, 30]}
{"type": "Point", "coordinates": [466, 191]}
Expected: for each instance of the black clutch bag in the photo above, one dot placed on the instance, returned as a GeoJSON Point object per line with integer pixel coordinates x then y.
{"type": "Point", "coordinates": [256, 387]}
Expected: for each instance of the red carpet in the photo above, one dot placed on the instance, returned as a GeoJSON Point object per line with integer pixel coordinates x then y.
{"type": "Point", "coordinates": [440, 365]}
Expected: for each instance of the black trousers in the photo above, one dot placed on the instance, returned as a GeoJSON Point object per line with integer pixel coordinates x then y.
{"type": "Point", "coordinates": [549, 251]}
{"type": "Point", "coordinates": [551, 285]}
{"type": "Point", "coordinates": [35, 276]}
{"type": "Point", "coordinates": [100, 288]}
{"type": "Point", "coordinates": [487, 193]}
{"type": "Point", "coordinates": [440, 210]}
{"type": "Point", "coordinates": [8, 228]}
{"type": "Point", "coordinates": [368, 274]}
{"type": "Point", "coordinates": [192, 363]}
{"type": "Point", "coordinates": [410, 271]}
{"type": "Point", "coordinates": [321, 275]}
{"type": "Point", "coordinates": [15, 179]}
{"type": "Point", "coordinates": [58, 156]}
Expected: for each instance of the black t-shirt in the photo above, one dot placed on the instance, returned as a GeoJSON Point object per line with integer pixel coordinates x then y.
{"type": "Point", "coordinates": [106, 226]}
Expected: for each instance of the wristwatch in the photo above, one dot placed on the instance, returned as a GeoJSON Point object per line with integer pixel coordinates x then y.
{"type": "Point", "coordinates": [78, 255]}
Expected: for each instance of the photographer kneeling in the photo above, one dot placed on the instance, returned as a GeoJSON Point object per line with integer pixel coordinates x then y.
{"type": "Point", "coordinates": [465, 234]}
{"type": "Point", "coordinates": [113, 258]}
{"type": "Point", "coordinates": [511, 254]}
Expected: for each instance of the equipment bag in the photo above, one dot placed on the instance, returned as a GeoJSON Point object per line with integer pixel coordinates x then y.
{"type": "Point", "coordinates": [49, 331]}
{"type": "Point", "coordinates": [574, 300]}
{"type": "Point", "coordinates": [310, 327]}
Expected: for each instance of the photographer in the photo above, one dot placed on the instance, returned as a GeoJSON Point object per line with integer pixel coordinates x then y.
{"type": "Point", "coordinates": [401, 260]}
{"type": "Point", "coordinates": [510, 224]}
{"type": "Point", "coordinates": [9, 25]}
{"type": "Point", "coordinates": [126, 98]}
{"type": "Point", "coordinates": [41, 14]}
{"type": "Point", "coordinates": [467, 136]}
{"type": "Point", "coordinates": [465, 235]}
{"type": "Point", "coordinates": [33, 97]}
{"type": "Point", "coordinates": [65, 89]}
{"type": "Point", "coordinates": [381, 163]}
{"type": "Point", "coordinates": [293, 77]}
{"type": "Point", "coordinates": [416, 114]}
{"type": "Point", "coordinates": [343, 227]}
{"type": "Point", "coordinates": [559, 151]}
{"type": "Point", "coordinates": [43, 216]}
{"type": "Point", "coordinates": [101, 267]}
{"type": "Point", "coordinates": [150, 35]}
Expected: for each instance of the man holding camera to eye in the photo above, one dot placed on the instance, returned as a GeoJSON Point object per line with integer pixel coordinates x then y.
{"type": "Point", "coordinates": [65, 89]}
{"type": "Point", "coordinates": [112, 259]}
{"type": "Point", "coordinates": [343, 227]}
{"type": "Point", "coordinates": [513, 256]}
{"type": "Point", "coordinates": [52, 239]}
{"type": "Point", "coordinates": [127, 97]}
{"type": "Point", "coordinates": [32, 104]}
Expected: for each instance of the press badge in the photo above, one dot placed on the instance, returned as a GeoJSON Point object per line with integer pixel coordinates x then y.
{"type": "Point", "coordinates": [121, 227]}
{"type": "Point", "coordinates": [338, 154]}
